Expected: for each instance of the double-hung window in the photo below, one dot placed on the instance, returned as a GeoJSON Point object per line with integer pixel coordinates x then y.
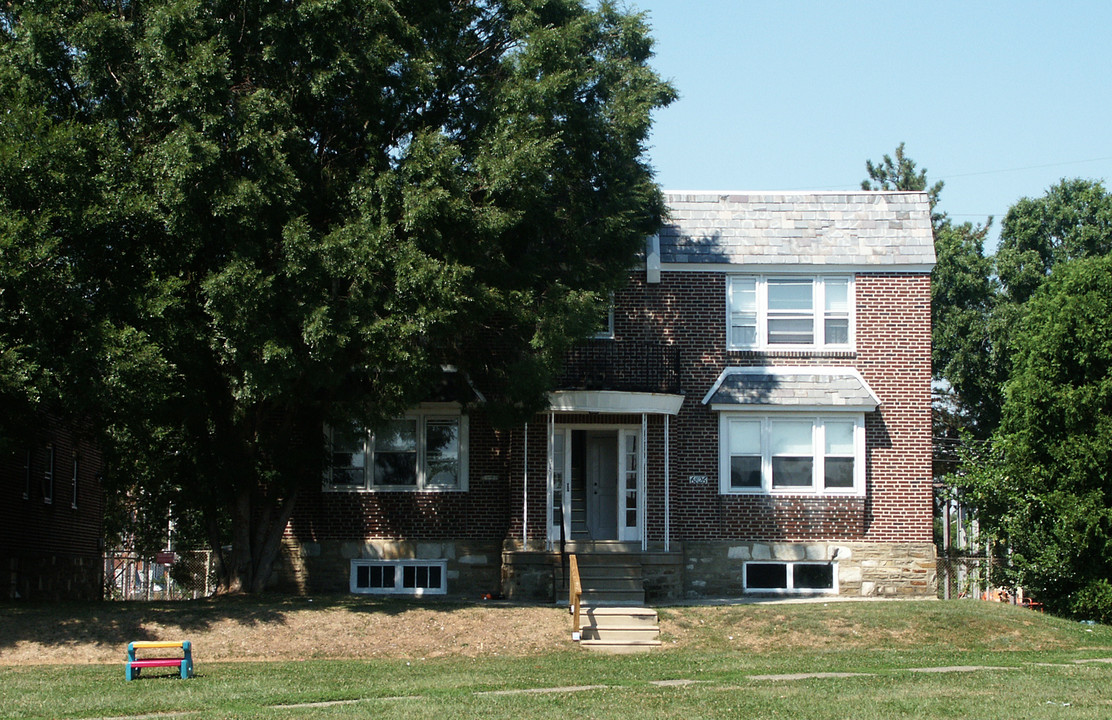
{"type": "Point", "coordinates": [423, 450]}
{"type": "Point", "coordinates": [791, 453]}
{"type": "Point", "coordinates": [790, 312]}
{"type": "Point", "coordinates": [48, 477]}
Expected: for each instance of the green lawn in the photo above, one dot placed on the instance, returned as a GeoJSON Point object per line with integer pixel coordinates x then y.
{"type": "Point", "coordinates": [1017, 664]}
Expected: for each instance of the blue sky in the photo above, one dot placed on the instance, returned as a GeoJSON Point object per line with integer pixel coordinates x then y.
{"type": "Point", "coordinates": [999, 100]}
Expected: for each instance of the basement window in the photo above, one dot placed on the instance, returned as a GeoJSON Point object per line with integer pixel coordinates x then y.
{"type": "Point", "coordinates": [399, 577]}
{"type": "Point", "coordinates": [790, 577]}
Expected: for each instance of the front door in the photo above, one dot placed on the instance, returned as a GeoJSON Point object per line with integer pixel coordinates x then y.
{"type": "Point", "coordinates": [595, 484]}
{"type": "Point", "coordinates": [601, 475]}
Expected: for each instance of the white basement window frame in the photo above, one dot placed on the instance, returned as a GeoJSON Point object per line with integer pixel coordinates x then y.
{"type": "Point", "coordinates": [790, 578]}
{"type": "Point", "coordinates": [790, 312]}
{"type": "Point", "coordinates": [786, 453]}
{"type": "Point", "coordinates": [399, 577]}
{"type": "Point", "coordinates": [424, 450]}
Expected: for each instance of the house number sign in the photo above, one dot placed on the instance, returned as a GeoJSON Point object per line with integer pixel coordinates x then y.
{"type": "Point", "coordinates": [697, 479]}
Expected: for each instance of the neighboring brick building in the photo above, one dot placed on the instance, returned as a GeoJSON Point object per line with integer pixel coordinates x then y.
{"type": "Point", "coordinates": [52, 517]}
{"type": "Point", "coordinates": [755, 419]}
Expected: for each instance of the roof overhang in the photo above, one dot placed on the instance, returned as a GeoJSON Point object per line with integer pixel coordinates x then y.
{"type": "Point", "coordinates": [614, 401]}
{"type": "Point", "coordinates": [795, 389]}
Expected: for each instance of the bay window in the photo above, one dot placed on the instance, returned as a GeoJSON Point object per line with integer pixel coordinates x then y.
{"type": "Point", "coordinates": [424, 450]}
{"type": "Point", "coordinates": [792, 453]}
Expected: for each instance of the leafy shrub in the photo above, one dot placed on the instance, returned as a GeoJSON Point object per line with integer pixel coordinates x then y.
{"type": "Point", "coordinates": [1094, 602]}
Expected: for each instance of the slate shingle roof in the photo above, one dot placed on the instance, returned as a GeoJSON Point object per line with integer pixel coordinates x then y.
{"type": "Point", "coordinates": [793, 388]}
{"type": "Point", "coordinates": [798, 228]}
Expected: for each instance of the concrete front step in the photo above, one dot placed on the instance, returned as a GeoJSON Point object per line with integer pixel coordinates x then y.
{"type": "Point", "coordinates": [600, 583]}
{"type": "Point", "coordinates": [606, 617]}
{"type": "Point", "coordinates": [601, 547]}
{"type": "Point", "coordinates": [597, 598]}
{"type": "Point", "coordinates": [609, 575]}
{"type": "Point", "coordinates": [619, 629]}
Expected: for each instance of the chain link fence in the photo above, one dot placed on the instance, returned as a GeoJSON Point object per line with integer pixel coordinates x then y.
{"type": "Point", "coordinates": [964, 577]}
{"type": "Point", "coordinates": [167, 576]}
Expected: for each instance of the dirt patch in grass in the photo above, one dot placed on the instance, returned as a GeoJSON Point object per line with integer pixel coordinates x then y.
{"type": "Point", "coordinates": [289, 629]}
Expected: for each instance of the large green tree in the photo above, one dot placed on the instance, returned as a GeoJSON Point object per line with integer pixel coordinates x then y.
{"type": "Point", "coordinates": [1072, 219]}
{"type": "Point", "coordinates": [225, 223]}
{"type": "Point", "coordinates": [1045, 487]}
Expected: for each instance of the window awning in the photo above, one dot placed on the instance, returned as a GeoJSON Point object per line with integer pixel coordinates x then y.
{"type": "Point", "coordinates": [817, 388]}
{"type": "Point", "coordinates": [614, 401]}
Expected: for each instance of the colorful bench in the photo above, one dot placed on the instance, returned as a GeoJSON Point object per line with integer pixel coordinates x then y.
{"type": "Point", "coordinates": [135, 664]}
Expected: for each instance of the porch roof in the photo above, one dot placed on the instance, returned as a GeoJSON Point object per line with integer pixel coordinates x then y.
{"type": "Point", "coordinates": [792, 388]}
{"type": "Point", "coordinates": [614, 401]}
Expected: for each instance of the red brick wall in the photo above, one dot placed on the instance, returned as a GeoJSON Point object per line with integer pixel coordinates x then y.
{"type": "Point", "coordinates": [687, 309]}
{"type": "Point", "coordinates": [892, 354]}
{"type": "Point", "coordinates": [51, 550]}
{"type": "Point", "coordinates": [483, 512]}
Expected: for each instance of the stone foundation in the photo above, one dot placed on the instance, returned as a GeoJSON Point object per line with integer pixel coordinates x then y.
{"type": "Point", "coordinates": [864, 569]}
{"type": "Point", "coordinates": [691, 571]}
{"type": "Point", "coordinates": [474, 567]}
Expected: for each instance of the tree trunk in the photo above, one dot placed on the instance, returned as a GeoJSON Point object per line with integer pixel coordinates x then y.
{"type": "Point", "coordinates": [258, 525]}
{"type": "Point", "coordinates": [264, 553]}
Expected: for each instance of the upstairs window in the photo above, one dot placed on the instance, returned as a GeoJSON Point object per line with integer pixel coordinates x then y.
{"type": "Point", "coordinates": [73, 485]}
{"type": "Point", "coordinates": [789, 312]}
{"type": "Point", "coordinates": [27, 475]}
{"type": "Point", "coordinates": [48, 476]}
{"type": "Point", "coordinates": [605, 327]}
{"type": "Point", "coordinates": [424, 450]}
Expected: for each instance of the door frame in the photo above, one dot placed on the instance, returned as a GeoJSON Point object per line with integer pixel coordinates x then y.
{"type": "Point", "coordinates": [559, 478]}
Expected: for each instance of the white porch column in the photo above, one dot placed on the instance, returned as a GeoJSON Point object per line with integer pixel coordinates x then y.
{"type": "Point", "coordinates": [667, 488]}
{"type": "Point", "coordinates": [525, 495]}
{"type": "Point", "coordinates": [643, 481]}
{"type": "Point", "coordinates": [549, 471]}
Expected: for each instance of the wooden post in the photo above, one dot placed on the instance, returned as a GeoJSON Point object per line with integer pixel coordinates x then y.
{"type": "Point", "coordinates": [575, 593]}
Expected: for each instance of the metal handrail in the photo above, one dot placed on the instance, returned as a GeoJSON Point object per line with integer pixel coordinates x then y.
{"type": "Point", "coordinates": [575, 594]}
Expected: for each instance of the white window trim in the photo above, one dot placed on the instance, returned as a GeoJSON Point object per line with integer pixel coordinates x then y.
{"type": "Point", "coordinates": [818, 312]}
{"type": "Point", "coordinates": [399, 571]}
{"type": "Point", "coordinates": [48, 477]}
{"type": "Point", "coordinates": [422, 415]}
{"type": "Point", "coordinates": [607, 333]}
{"type": "Point", "coordinates": [818, 453]}
{"type": "Point", "coordinates": [27, 476]}
{"type": "Point", "coordinates": [790, 579]}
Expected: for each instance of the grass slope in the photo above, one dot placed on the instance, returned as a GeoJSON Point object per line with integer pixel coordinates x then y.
{"type": "Point", "coordinates": [835, 660]}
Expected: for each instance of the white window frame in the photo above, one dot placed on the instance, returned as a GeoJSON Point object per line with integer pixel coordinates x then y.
{"type": "Point", "coordinates": [73, 484]}
{"type": "Point", "coordinates": [399, 577]}
{"type": "Point", "coordinates": [790, 588]}
{"type": "Point", "coordinates": [818, 453]}
{"type": "Point", "coordinates": [736, 284]}
{"type": "Point", "coordinates": [607, 332]}
{"type": "Point", "coordinates": [422, 416]}
{"type": "Point", "coordinates": [48, 477]}
{"type": "Point", "coordinates": [27, 475]}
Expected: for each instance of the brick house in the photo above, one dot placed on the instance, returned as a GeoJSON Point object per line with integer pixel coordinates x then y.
{"type": "Point", "coordinates": [755, 418]}
{"type": "Point", "coordinates": [52, 516]}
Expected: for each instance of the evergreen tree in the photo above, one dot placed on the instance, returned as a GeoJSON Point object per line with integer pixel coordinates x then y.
{"type": "Point", "coordinates": [223, 224]}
